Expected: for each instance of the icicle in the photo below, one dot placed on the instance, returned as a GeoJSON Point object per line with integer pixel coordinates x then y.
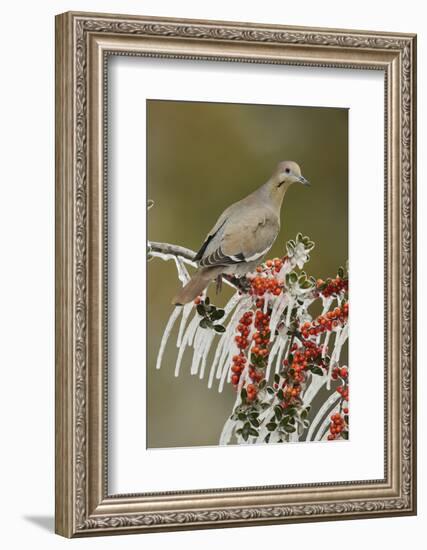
{"type": "Point", "coordinates": [327, 302]}
{"type": "Point", "coordinates": [316, 382]}
{"type": "Point", "coordinates": [228, 338]}
{"type": "Point", "coordinates": [183, 274]}
{"type": "Point", "coordinates": [188, 336]}
{"type": "Point", "coordinates": [272, 355]}
{"type": "Point", "coordinates": [227, 431]}
{"type": "Point", "coordinates": [341, 337]}
{"type": "Point", "coordinates": [169, 326]}
{"type": "Point", "coordinates": [332, 362]}
{"type": "Point", "coordinates": [218, 352]}
{"type": "Point", "coordinates": [267, 297]}
{"type": "Point", "coordinates": [325, 344]}
{"type": "Point", "coordinates": [282, 346]}
{"type": "Point", "coordinates": [198, 340]}
{"type": "Point", "coordinates": [277, 311]}
{"type": "Point", "coordinates": [285, 269]}
{"type": "Point", "coordinates": [185, 314]}
{"type": "Point", "coordinates": [206, 353]}
{"type": "Point", "coordinates": [324, 409]}
{"type": "Point", "coordinates": [289, 311]}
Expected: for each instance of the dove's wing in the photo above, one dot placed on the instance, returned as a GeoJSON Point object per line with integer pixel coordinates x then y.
{"type": "Point", "coordinates": [240, 239]}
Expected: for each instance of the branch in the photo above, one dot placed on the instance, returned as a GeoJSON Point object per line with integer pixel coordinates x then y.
{"type": "Point", "coordinates": [167, 251]}
{"type": "Point", "coordinates": [172, 250]}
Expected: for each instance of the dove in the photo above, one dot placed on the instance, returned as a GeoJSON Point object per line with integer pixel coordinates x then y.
{"type": "Point", "coordinates": [243, 234]}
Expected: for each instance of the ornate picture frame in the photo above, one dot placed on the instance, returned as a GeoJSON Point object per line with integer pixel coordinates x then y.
{"type": "Point", "coordinates": [84, 42]}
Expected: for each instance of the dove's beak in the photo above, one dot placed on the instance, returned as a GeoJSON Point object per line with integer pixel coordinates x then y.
{"type": "Point", "coordinates": [302, 180]}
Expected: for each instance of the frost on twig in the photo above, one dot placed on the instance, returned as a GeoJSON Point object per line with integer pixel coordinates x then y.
{"type": "Point", "coordinates": [267, 345]}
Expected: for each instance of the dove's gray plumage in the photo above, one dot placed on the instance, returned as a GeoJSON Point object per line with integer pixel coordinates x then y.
{"type": "Point", "coordinates": [243, 234]}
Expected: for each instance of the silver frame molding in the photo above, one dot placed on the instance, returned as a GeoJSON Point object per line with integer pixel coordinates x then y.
{"type": "Point", "coordinates": [83, 43]}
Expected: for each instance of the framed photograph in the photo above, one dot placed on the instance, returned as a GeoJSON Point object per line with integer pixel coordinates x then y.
{"type": "Point", "coordinates": [235, 222]}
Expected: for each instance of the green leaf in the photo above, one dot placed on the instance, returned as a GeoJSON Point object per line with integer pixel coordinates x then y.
{"type": "Point", "coordinates": [265, 406]}
{"type": "Point", "coordinates": [346, 418]}
{"type": "Point", "coordinates": [280, 394]}
{"type": "Point", "coordinates": [278, 411]}
{"type": "Point", "coordinates": [217, 314]}
{"type": "Point", "coordinates": [203, 323]}
{"type": "Point", "coordinates": [201, 310]}
{"type": "Point", "coordinates": [289, 429]}
{"type": "Point", "coordinates": [293, 277]}
{"type": "Point", "coordinates": [299, 237]}
{"type": "Point", "coordinates": [219, 328]}
{"type": "Point", "coordinates": [306, 423]}
{"type": "Point", "coordinates": [340, 272]}
{"type": "Point", "coordinates": [254, 422]}
{"type": "Point", "coordinates": [344, 435]}
{"type": "Point", "coordinates": [303, 414]}
{"type": "Point", "coordinates": [306, 285]}
{"type": "Point", "coordinates": [290, 358]}
{"type": "Point", "coordinates": [285, 420]}
{"type": "Point", "coordinates": [316, 370]}
{"type": "Point", "coordinates": [239, 431]}
{"type": "Point", "coordinates": [271, 426]}
{"type": "Point", "coordinates": [276, 379]}
{"type": "Point", "coordinates": [270, 390]}
{"type": "Point", "coordinates": [243, 394]}
{"type": "Point", "coordinates": [245, 434]}
{"type": "Point", "coordinates": [292, 411]}
{"type": "Point", "coordinates": [207, 301]}
{"type": "Point", "coordinates": [267, 438]}
{"type": "Point", "coordinates": [241, 417]}
{"type": "Point", "coordinates": [262, 384]}
{"type": "Point", "coordinates": [253, 431]}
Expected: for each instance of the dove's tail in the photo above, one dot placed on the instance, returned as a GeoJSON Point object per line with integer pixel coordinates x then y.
{"type": "Point", "coordinates": [196, 285]}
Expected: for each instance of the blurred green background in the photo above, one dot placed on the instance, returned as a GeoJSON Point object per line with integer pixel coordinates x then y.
{"type": "Point", "coordinates": [201, 157]}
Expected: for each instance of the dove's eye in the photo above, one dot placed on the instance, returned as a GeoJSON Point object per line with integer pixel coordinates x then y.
{"type": "Point", "coordinates": [287, 170]}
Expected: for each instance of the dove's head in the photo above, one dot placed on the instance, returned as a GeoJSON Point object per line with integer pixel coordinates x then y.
{"type": "Point", "coordinates": [288, 172]}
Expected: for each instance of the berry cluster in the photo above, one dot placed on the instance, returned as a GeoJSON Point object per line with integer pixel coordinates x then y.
{"type": "Point", "coordinates": [237, 368]}
{"type": "Point", "coordinates": [244, 330]}
{"type": "Point", "coordinates": [261, 285]}
{"type": "Point", "coordinates": [242, 343]}
{"type": "Point", "coordinates": [274, 265]}
{"type": "Point", "coordinates": [308, 357]}
{"type": "Point", "coordinates": [329, 321]}
{"type": "Point", "coordinates": [261, 338]}
{"type": "Point", "coordinates": [343, 391]}
{"type": "Point", "coordinates": [337, 371]}
{"type": "Point", "coordinates": [252, 391]}
{"type": "Point", "coordinates": [259, 350]}
{"type": "Point", "coordinates": [266, 280]}
{"type": "Point", "coordinates": [332, 287]}
{"type": "Point", "coordinates": [338, 427]}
